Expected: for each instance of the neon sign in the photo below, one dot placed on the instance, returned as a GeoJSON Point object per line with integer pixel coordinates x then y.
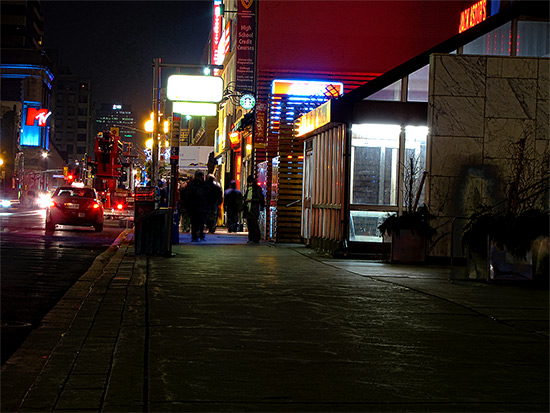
{"type": "Point", "coordinates": [216, 31]}
{"type": "Point", "coordinates": [305, 87]}
{"type": "Point", "coordinates": [34, 114]}
{"type": "Point", "coordinates": [473, 15]}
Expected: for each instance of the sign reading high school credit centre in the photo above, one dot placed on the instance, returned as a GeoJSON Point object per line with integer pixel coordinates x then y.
{"type": "Point", "coordinates": [473, 15]}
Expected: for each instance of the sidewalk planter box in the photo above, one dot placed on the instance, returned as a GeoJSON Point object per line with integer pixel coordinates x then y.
{"type": "Point", "coordinates": [478, 266]}
{"type": "Point", "coordinates": [499, 264]}
{"type": "Point", "coordinates": [408, 246]}
{"type": "Point", "coordinates": [506, 266]}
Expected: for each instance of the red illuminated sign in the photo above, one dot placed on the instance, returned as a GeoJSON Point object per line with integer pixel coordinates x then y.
{"type": "Point", "coordinates": [34, 114]}
{"type": "Point", "coordinates": [216, 31]}
{"type": "Point", "coordinates": [473, 15]}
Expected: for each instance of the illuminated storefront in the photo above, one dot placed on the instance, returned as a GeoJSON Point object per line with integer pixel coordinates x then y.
{"type": "Point", "coordinates": [439, 117]}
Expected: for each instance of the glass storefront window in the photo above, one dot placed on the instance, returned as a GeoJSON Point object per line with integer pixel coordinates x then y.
{"type": "Point", "coordinates": [364, 226]}
{"type": "Point", "coordinates": [374, 164]}
{"type": "Point", "coordinates": [533, 39]}
{"type": "Point", "coordinates": [375, 169]}
{"type": "Point", "coordinates": [418, 85]}
{"type": "Point", "coordinates": [414, 165]}
{"type": "Point", "coordinates": [495, 43]}
{"type": "Point", "coordinates": [391, 92]}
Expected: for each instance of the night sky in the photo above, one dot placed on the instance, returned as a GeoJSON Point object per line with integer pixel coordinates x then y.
{"type": "Point", "coordinates": [114, 43]}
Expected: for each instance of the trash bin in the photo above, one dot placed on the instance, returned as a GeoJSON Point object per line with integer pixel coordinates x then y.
{"type": "Point", "coordinates": [150, 224]}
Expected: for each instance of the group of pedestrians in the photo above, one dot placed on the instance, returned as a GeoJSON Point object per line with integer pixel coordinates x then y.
{"type": "Point", "coordinates": [200, 199]}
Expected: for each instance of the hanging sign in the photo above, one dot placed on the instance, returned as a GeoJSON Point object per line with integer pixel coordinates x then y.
{"type": "Point", "coordinates": [246, 45]}
{"type": "Point", "coordinates": [247, 101]}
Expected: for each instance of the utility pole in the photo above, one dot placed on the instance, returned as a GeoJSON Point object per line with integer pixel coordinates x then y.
{"type": "Point", "coordinates": [174, 158]}
{"type": "Point", "coordinates": [156, 114]}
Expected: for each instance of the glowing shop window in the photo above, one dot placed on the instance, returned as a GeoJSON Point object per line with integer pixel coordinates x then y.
{"type": "Point", "coordinates": [414, 163]}
{"type": "Point", "coordinates": [495, 43]}
{"type": "Point", "coordinates": [418, 85]}
{"type": "Point", "coordinates": [391, 92]}
{"type": "Point", "coordinates": [363, 226]}
{"type": "Point", "coordinates": [533, 39]}
{"type": "Point", "coordinates": [374, 164]}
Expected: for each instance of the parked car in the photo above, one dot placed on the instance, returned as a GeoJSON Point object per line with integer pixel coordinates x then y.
{"type": "Point", "coordinates": [75, 206]}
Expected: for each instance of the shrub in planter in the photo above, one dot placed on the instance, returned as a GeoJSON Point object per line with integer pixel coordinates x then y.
{"type": "Point", "coordinates": [511, 238]}
{"type": "Point", "coordinates": [410, 233]}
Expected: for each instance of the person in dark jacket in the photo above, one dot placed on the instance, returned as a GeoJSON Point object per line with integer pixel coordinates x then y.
{"type": "Point", "coordinates": [254, 202]}
{"type": "Point", "coordinates": [233, 205]}
{"type": "Point", "coordinates": [196, 199]}
{"type": "Point", "coordinates": [215, 199]}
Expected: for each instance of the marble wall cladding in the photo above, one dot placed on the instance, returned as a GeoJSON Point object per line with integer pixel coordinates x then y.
{"type": "Point", "coordinates": [542, 121]}
{"type": "Point", "coordinates": [479, 107]}
{"type": "Point", "coordinates": [501, 135]}
{"type": "Point", "coordinates": [461, 76]}
{"type": "Point", "coordinates": [524, 68]}
{"type": "Point", "coordinates": [544, 80]}
{"type": "Point", "coordinates": [457, 116]}
{"type": "Point", "coordinates": [450, 154]}
{"type": "Point", "coordinates": [511, 98]}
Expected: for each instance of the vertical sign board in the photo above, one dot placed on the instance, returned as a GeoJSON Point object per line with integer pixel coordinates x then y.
{"type": "Point", "coordinates": [175, 141]}
{"type": "Point", "coordinates": [246, 45]}
{"type": "Point", "coordinates": [216, 30]}
{"type": "Point", "coordinates": [260, 132]}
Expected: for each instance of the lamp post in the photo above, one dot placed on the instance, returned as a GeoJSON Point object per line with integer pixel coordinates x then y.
{"type": "Point", "coordinates": [157, 67]}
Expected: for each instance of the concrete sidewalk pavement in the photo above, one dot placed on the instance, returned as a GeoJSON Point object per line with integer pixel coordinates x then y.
{"type": "Point", "coordinates": [226, 326]}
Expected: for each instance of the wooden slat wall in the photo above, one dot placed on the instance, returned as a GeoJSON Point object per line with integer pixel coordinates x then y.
{"type": "Point", "coordinates": [289, 178]}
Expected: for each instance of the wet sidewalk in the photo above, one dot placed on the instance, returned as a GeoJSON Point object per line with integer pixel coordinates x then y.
{"type": "Point", "coordinates": [227, 326]}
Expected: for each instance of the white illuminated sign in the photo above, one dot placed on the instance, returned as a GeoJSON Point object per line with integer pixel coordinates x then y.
{"type": "Point", "coordinates": [195, 88]}
{"type": "Point", "coordinates": [195, 108]}
{"type": "Point", "coordinates": [306, 88]}
{"type": "Point", "coordinates": [247, 101]}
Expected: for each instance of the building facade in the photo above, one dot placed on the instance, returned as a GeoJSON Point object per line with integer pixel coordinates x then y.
{"type": "Point", "coordinates": [115, 115]}
{"type": "Point", "coordinates": [449, 120]}
{"type": "Point", "coordinates": [72, 116]}
{"type": "Point", "coordinates": [26, 89]}
{"type": "Point", "coordinates": [334, 42]}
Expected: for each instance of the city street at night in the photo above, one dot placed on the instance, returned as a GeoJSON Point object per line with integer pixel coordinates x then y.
{"type": "Point", "coordinates": [228, 326]}
{"type": "Point", "coordinates": [275, 206]}
{"type": "Point", "coordinates": [37, 268]}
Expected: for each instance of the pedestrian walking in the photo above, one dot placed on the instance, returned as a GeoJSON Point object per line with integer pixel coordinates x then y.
{"type": "Point", "coordinates": [182, 206]}
{"type": "Point", "coordinates": [163, 194]}
{"type": "Point", "coordinates": [233, 205]}
{"type": "Point", "coordinates": [254, 202]}
{"type": "Point", "coordinates": [196, 199]}
{"type": "Point", "coordinates": [214, 200]}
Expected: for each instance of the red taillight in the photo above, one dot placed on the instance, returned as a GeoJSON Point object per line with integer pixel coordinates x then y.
{"type": "Point", "coordinates": [95, 206]}
{"type": "Point", "coordinates": [52, 204]}
{"type": "Point", "coordinates": [119, 206]}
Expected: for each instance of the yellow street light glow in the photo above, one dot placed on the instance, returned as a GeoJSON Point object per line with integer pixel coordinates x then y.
{"type": "Point", "coordinates": [195, 108]}
{"type": "Point", "coordinates": [149, 124]}
{"type": "Point", "coordinates": [1, 162]}
{"type": "Point", "coordinates": [166, 126]}
{"type": "Point", "coordinates": [149, 143]}
{"type": "Point", "coordinates": [185, 88]}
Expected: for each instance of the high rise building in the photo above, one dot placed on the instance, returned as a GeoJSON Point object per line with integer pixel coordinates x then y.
{"type": "Point", "coordinates": [73, 130]}
{"type": "Point", "coordinates": [26, 85]}
{"type": "Point", "coordinates": [115, 115]}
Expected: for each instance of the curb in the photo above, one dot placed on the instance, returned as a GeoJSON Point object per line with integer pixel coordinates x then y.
{"type": "Point", "coordinates": [23, 368]}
